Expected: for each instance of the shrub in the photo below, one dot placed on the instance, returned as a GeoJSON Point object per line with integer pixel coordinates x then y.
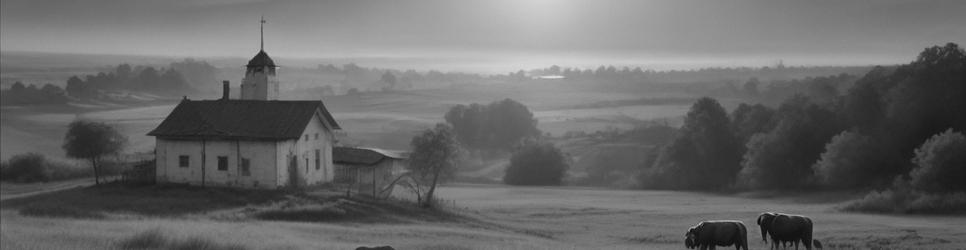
{"type": "Point", "coordinates": [941, 163]}
{"type": "Point", "coordinates": [34, 167]}
{"type": "Point", "coordinates": [903, 198]}
{"type": "Point", "coordinates": [536, 163]}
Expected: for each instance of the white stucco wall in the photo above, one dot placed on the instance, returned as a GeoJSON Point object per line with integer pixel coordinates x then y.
{"type": "Point", "coordinates": [260, 154]}
{"type": "Point", "coordinates": [304, 151]}
{"type": "Point", "coordinates": [269, 160]}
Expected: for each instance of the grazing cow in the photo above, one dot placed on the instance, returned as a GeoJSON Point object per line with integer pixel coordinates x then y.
{"type": "Point", "coordinates": [709, 234]}
{"type": "Point", "coordinates": [787, 228]}
{"type": "Point", "coordinates": [375, 248]}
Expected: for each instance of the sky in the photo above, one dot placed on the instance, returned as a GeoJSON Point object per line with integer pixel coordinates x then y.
{"type": "Point", "coordinates": [494, 35]}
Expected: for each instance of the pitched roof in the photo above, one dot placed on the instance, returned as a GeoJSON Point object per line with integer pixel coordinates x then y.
{"type": "Point", "coordinates": [261, 59]}
{"type": "Point", "coordinates": [363, 156]}
{"type": "Point", "coordinates": [241, 119]}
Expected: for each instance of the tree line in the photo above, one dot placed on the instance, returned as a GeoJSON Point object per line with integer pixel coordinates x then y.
{"type": "Point", "coordinates": [20, 94]}
{"type": "Point", "coordinates": [895, 124]}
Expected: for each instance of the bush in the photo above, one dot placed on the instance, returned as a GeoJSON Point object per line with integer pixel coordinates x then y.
{"type": "Point", "coordinates": [941, 163]}
{"type": "Point", "coordinates": [853, 160]}
{"type": "Point", "coordinates": [536, 163]}
{"type": "Point", "coordinates": [903, 198]}
{"type": "Point", "coordinates": [34, 167]}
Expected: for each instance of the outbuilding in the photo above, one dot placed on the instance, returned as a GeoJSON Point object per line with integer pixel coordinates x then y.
{"type": "Point", "coordinates": [368, 171]}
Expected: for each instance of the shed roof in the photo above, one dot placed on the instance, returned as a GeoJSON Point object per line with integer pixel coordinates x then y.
{"type": "Point", "coordinates": [241, 119]}
{"type": "Point", "coordinates": [364, 156]}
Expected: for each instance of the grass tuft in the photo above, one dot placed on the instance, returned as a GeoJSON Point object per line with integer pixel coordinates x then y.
{"type": "Point", "coordinates": [151, 239]}
{"type": "Point", "coordinates": [156, 239]}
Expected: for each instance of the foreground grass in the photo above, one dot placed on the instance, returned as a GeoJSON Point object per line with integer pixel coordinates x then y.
{"type": "Point", "coordinates": [487, 217]}
{"type": "Point", "coordinates": [150, 200]}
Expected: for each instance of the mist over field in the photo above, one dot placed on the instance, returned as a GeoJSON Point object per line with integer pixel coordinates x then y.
{"type": "Point", "coordinates": [523, 124]}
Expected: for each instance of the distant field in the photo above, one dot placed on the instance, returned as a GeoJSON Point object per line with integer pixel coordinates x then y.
{"type": "Point", "coordinates": [375, 119]}
{"type": "Point", "coordinates": [514, 218]}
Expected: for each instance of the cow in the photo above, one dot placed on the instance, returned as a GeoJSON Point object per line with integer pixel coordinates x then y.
{"type": "Point", "coordinates": [709, 234]}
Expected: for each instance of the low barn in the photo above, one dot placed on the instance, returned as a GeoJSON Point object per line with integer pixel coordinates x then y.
{"type": "Point", "coordinates": [246, 143]}
{"type": "Point", "coordinates": [368, 170]}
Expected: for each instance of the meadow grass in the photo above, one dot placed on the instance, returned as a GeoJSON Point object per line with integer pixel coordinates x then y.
{"type": "Point", "coordinates": [145, 200]}
{"type": "Point", "coordinates": [483, 217]}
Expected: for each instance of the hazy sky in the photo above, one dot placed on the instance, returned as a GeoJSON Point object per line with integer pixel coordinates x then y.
{"type": "Point", "coordinates": [489, 32]}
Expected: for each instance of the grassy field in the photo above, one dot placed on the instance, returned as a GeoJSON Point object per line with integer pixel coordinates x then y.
{"type": "Point", "coordinates": [477, 217]}
{"type": "Point", "coordinates": [374, 119]}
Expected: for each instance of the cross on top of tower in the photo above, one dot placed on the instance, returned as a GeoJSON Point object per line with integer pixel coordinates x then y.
{"type": "Point", "coordinates": [262, 31]}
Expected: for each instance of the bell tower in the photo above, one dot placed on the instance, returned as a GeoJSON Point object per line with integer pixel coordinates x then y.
{"type": "Point", "coordinates": [260, 82]}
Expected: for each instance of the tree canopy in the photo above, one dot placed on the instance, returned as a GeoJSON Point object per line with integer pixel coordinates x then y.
{"type": "Point", "coordinates": [434, 155]}
{"type": "Point", "coordinates": [497, 126]}
{"type": "Point", "coordinates": [536, 162]}
{"type": "Point", "coordinates": [704, 154]}
{"type": "Point", "coordinates": [92, 141]}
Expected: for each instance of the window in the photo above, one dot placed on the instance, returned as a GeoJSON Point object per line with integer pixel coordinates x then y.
{"type": "Point", "coordinates": [183, 161]}
{"type": "Point", "coordinates": [316, 136]}
{"type": "Point", "coordinates": [246, 167]}
{"type": "Point", "coordinates": [317, 161]}
{"type": "Point", "coordinates": [222, 163]}
{"type": "Point", "coordinates": [306, 137]}
{"type": "Point", "coordinates": [306, 164]}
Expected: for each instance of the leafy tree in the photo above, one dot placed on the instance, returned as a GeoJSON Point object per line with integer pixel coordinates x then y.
{"type": "Point", "coordinates": [510, 121]}
{"type": "Point", "coordinates": [150, 79]}
{"type": "Point", "coordinates": [747, 120]}
{"type": "Point", "coordinates": [782, 157]}
{"type": "Point", "coordinates": [854, 160]}
{"type": "Point", "coordinates": [77, 88]}
{"type": "Point", "coordinates": [433, 160]}
{"type": "Point", "coordinates": [17, 87]}
{"type": "Point", "coordinates": [389, 80]}
{"type": "Point", "coordinates": [469, 124]}
{"type": "Point", "coordinates": [536, 163]}
{"type": "Point", "coordinates": [704, 155]}
{"type": "Point", "coordinates": [927, 97]}
{"type": "Point", "coordinates": [941, 163]}
{"type": "Point", "coordinates": [92, 141]}
{"type": "Point", "coordinates": [750, 88]}
{"type": "Point", "coordinates": [495, 126]}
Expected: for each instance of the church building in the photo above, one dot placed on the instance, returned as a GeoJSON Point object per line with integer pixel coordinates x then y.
{"type": "Point", "coordinates": [257, 141]}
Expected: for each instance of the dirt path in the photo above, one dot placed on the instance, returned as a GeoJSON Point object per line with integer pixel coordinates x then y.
{"type": "Point", "coordinates": [16, 190]}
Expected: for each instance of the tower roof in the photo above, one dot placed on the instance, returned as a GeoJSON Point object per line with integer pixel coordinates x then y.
{"type": "Point", "coordinates": [261, 59]}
